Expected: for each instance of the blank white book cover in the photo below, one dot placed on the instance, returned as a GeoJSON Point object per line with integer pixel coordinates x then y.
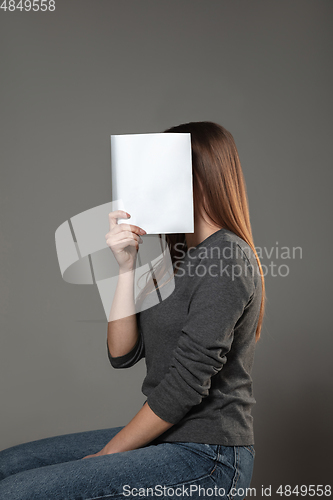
{"type": "Point", "coordinates": [152, 181]}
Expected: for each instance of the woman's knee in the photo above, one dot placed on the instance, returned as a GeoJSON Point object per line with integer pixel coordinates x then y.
{"type": "Point", "coordinates": [15, 459]}
{"type": "Point", "coordinates": [14, 487]}
{"type": "Point", "coordinates": [7, 462]}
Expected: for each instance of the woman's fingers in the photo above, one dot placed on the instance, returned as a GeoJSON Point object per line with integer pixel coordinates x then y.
{"type": "Point", "coordinates": [122, 236]}
{"type": "Point", "coordinates": [117, 214]}
{"type": "Point", "coordinates": [125, 227]}
{"type": "Point", "coordinates": [116, 228]}
{"type": "Point", "coordinates": [120, 214]}
{"type": "Point", "coordinates": [119, 245]}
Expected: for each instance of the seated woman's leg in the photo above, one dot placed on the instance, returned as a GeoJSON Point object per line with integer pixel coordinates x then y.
{"type": "Point", "coordinates": [53, 450]}
{"type": "Point", "coordinates": [169, 470]}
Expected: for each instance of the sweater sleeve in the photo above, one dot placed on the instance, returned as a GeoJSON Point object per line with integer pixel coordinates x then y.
{"type": "Point", "coordinates": [220, 291]}
{"type": "Point", "coordinates": [133, 356]}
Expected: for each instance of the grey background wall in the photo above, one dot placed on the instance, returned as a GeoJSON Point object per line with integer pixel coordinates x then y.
{"type": "Point", "coordinates": [72, 77]}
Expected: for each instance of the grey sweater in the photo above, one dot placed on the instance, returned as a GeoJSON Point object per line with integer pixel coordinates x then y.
{"type": "Point", "coordinates": [199, 345]}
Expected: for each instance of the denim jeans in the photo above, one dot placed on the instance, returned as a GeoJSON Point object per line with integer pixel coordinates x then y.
{"type": "Point", "coordinates": [53, 469]}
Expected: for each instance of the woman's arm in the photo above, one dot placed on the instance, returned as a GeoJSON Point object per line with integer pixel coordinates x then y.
{"type": "Point", "coordinates": [124, 240]}
{"type": "Point", "coordinates": [144, 427]}
{"type": "Point", "coordinates": [122, 324]}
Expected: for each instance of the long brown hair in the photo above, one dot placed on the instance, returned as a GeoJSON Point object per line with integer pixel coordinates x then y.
{"type": "Point", "coordinates": [218, 188]}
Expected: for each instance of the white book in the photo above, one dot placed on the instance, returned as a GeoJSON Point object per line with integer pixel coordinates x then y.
{"type": "Point", "coordinates": [152, 181]}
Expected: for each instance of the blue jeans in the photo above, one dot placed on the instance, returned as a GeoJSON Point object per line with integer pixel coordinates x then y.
{"type": "Point", "coordinates": [53, 469]}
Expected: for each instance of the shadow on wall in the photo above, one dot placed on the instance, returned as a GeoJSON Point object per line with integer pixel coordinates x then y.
{"type": "Point", "coordinates": [300, 433]}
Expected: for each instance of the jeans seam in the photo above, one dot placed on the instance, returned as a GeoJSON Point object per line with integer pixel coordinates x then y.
{"type": "Point", "coordinates": [236, 475]}
{"type": "Point", "coordinates": [198, 478]}
{"type": "Point", "coordinates": [167, 486]}
{"type": "Point", "coordinates": [250, 450]}
{"type": "Point", "coordinates": [104, 496]}
{"type": "Point", "coordinates": [217, 459]}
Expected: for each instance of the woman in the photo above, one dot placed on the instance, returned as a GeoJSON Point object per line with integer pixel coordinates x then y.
{"type": "Point", "coordinates": [194, 434]}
